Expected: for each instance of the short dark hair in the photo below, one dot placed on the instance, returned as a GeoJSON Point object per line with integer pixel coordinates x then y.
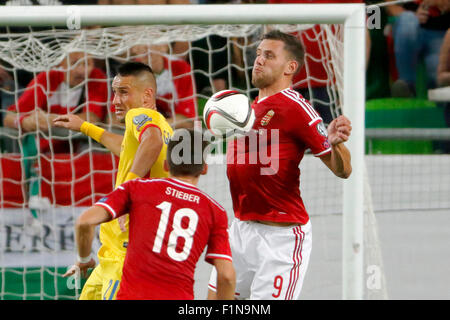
{"type": "Point", "coordinates": [291, 44]}
{"type": "Point", "coordinates": [185, 152]}
{"type": "Point", "coordinates": [133, 68]}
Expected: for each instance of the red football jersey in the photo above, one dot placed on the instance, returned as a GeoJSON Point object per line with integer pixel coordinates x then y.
{"type": "Point", "coordinates": [176, 85]}
{"type": "Point", "coordinates": [171, 223]}
{"type": "Point", "coordinates": [268, 189]}
{"type": "Point", "coordinates": [50, 92]}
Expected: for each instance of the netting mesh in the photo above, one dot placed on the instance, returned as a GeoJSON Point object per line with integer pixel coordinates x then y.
{"type": "Point", "coordinates": [45, 49]}
{"type": "Point", "coordinates": [44, 191]}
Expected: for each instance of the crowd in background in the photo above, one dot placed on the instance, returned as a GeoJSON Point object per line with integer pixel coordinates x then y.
{"type": "Point", "coordinates": [411, 36]}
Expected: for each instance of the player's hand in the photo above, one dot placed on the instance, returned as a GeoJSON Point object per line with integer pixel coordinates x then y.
{"type": "Point", "coordinates": [122, 222]}
{"type": "Point", "coordinates": [339, 130]}
{"type": "Point", "coordinates": [68, 121]}
{"type": "Point", "coordinates": [81, 268]}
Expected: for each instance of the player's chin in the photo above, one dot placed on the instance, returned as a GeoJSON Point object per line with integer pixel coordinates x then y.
{"type": "Point", "coordinates": [260, 82]}
{"type": "Point", "coordinates": [120, 116]}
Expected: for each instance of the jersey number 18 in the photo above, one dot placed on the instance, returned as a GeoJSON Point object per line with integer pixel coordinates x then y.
{"type": "Point", "coordinates": [177, 232]}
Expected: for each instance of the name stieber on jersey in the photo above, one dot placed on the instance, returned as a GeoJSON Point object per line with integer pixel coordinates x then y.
{"type": "Point", "coordinates": [182, 195]}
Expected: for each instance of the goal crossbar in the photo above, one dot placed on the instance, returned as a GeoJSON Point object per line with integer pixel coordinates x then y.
{"type": "Point", "coordinates": [113, 15]}
{"type": "Point", "coordinates": [352, 16]}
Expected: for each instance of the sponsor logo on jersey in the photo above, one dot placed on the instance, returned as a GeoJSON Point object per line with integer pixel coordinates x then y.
{"type": "Point", "coordinates": [321, 129]}
{"type": "Point", "coordinates": [266, 119]}
{"type": "Point", "coordinates": [139, 120]}
{"type": "Point", "coordinates": [326, 144]}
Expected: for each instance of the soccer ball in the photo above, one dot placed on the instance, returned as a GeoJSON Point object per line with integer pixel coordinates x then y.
{"type": "Point", "coordinates": [228, 113]}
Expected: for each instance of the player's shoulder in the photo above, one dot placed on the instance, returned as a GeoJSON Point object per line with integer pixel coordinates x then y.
{"type": "Point", "coordinates": [295, 103]}
{"type": "Point", "coordinates": [138, 184]}
{"type": "Point", "coordinates": [140, 115]}
{"type": "Point", "coordinates": [136, 111]}
{"type": "Point", "coordinates": [292, 97]}
{"type": "Point", "coordinates": [203, 195]}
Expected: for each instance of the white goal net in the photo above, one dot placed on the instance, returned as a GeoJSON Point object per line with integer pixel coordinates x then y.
{"type": "Point", "coordinates": [44, 189]}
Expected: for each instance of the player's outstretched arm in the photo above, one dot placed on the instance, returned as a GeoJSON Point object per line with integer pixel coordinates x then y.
{"type": "Point", "coordinates": [73, 122]}
{"type": "Point", "coordinates": [84, 235]}
{"type": "Point", "coordinates": [226, 279]}
{"type": "Point", "coordinates": [339, 160]}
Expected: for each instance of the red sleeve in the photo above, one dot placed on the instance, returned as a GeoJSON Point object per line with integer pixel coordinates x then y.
{"type": "Point", "coordinates": [35, 93]}
{"type": "Point", "coordinates": [183, 82]}
{"type": "Point", "coordinates": [118, 201]}
{"type": "Point", "coordinates": [306, 125]}
{"type": "Point", "coordinates": [97, 94]}
{"type": "Point", "coordinates": [218, 244]}
{"type": "Point", "coordinates": [315, 136]}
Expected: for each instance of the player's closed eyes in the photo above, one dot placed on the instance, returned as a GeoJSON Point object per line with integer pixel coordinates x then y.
{"type": "Point", "coordinates": [267, 55]}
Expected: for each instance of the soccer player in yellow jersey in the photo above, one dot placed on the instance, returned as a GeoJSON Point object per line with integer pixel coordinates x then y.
{"type": "Point", "coordinates": [142, 151]}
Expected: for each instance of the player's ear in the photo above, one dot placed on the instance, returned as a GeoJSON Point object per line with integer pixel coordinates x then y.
{"type": "Point", "coordinates": [149, 99]}
{"type": "Point", "coordinates": [291, 67]}
{"type": "Point", "coordinates": [166, 165]}
{"type": "Point", "coordinates": [205, 169]}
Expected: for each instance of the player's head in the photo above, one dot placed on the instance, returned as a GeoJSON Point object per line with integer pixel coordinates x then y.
{"type": "Point", "coordinates": [279, 57]}
{"type": "Point", "coordinates": [77, 66]}
{"type": "Point", "coordinates": [185, 153]}
{"type": "Point", "coordinates": [134, 86]}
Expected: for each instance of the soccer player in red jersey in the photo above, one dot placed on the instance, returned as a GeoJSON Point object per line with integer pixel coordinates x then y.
{"type": "Point", "coordinates": [270, 236]}
{"type": "Point", "coordinates": [171, 223]}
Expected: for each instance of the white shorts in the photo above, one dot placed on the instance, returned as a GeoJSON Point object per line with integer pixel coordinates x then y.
{"type": "Point", "coordinates": [270, 261]}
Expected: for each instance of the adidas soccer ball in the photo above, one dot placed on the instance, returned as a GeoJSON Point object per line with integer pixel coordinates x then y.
{"type": "Point", "coordinates": [228, 113]}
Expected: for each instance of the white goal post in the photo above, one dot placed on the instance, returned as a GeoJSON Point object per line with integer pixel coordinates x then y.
{"type": "Point", "coordinates": [352, 16]}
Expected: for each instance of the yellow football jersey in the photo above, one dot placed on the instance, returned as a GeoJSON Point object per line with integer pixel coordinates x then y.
{"type": "Point", "coordinates": [136, 121]}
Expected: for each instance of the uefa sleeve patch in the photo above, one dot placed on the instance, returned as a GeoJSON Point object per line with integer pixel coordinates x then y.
{"type": "Point", "coordinates": [102, 200]}
{"type": "Point", "coordinates": [321, 129]}
{"type": "Point", "coordinates": [140, 120]}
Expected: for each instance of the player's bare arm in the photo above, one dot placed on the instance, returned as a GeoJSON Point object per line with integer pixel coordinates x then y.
{"type": "Point", "coordinates": [147, 152]}
{"type": "Point", "coordinates": [112, 142]}
{"type": "Point", "coordinates": [339, 160]}
{"type": "Point", "coordinates": [84, 235]}
{"type": "Point", "coordinates": [226, 280]}
{"type": "Point", "coordinates": [73, 122]}
{"type": "Point", "coordinates": [146, 155]}
{"type": "Point", "coordinates": [89, 116]}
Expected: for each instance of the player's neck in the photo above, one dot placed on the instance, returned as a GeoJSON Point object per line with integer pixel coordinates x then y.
{"type": "Point", "coordinates": [187, 179]}
{"type": "Point", "coordinates": [273, 89]}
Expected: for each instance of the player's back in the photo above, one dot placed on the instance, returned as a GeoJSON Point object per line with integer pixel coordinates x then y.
{"type": "Point", "coordinates": [171, 222]}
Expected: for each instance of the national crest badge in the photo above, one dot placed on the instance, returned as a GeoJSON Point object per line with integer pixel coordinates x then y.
{"type": "Point", "coordinates": [266, 119]}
